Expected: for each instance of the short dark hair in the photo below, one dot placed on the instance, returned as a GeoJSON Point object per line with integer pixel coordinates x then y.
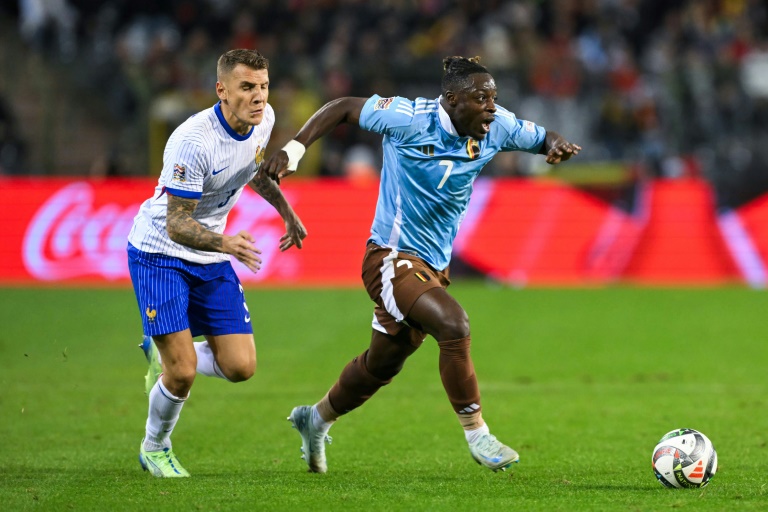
{"type": "Point", "coordinates": [457, 70]}
{"type": "Point", "coordinates": [251, 58]}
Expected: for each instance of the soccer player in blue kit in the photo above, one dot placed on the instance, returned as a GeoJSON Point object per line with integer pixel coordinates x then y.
{"type": "Point", "coordinates": [433, 151]}
{"type": "Point", "coordinates": [179, 258]}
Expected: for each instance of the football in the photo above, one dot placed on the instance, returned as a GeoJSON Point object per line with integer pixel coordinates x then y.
{"type": "Point", "coordinates": [684, 458]}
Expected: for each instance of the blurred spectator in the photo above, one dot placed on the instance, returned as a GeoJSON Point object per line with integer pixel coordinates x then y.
{"type": "Point", "coordinates": [675, 87]}
{"type": "Point", "coordinates": [49, 26]}
{"type": "Point", "coordinates": [360, 164]}
{"type": "Point", "coordinates": [12, 148]}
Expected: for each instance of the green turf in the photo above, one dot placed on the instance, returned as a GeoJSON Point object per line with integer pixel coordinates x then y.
{"type": "Point", "coordinates": [581, 382]}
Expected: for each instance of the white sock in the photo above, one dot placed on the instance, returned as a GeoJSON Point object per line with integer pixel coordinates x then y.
{"type": "Point", "coordinates": [474, 435]}
{"type": "Point", "coordinates": [206, 363]}
{"type": "Point", "coordinates": [318, 422]}
{"type": "Point", "coordinates": [164, 410]}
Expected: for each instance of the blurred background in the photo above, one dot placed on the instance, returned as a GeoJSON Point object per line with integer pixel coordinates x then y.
{"type": "Point", "coordinates": [652, 89]}
{"type": "Point", "coordinates": [670, 88]}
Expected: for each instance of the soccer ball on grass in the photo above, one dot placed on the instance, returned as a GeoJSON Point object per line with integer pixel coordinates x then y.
{"type": "Point", "coordinates": [684, 458]}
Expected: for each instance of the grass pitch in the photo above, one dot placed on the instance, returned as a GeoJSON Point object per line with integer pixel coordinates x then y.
{"type": "Point", "coordinates": [581, 382]}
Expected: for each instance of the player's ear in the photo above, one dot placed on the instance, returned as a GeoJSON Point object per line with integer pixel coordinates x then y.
{"type": "Point", "coordinates": [221, 91]}
{"type": "Point", "coordinates": [451, 98]}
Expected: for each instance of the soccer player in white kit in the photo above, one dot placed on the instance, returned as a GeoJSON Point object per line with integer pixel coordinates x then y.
{"type": "Point", "coordinates": [433, 151]}
{"type": "Point", "coordinates": [179, 258]}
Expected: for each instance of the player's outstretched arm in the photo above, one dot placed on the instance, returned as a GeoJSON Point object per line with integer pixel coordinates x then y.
{"type": "Point", "coordinates": [557, 148]}
{"type": "Point", "coordinates": [322, 122]}
{"type": "Point", "coordinates": [295, 231]}
{"type": "Point", "coordinates": [185, 230]}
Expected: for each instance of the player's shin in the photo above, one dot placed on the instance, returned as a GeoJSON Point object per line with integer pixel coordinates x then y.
{"type": "Point", "coordinates": [164, 410]}
{"type": "Point", "coordinates": [460, 382]}
{"type": "Point", "coordinates": [355, 385]}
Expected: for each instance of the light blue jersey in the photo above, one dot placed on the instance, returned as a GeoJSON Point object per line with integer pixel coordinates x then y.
{"type": "Point", "coordinates": [428, 171]}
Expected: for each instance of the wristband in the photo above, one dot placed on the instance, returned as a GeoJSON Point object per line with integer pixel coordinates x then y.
{"type": "Point", "coordinates": [295, 150]}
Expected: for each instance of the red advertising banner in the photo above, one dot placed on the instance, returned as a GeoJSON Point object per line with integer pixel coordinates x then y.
{"type": "Point", "coordinates": [76, 231]}
{"type": "Point", "coordinates": [520, 232]}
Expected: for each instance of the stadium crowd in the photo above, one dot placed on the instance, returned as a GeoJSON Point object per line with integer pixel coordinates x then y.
{"type": "Point", "coordinates": [675, 87]}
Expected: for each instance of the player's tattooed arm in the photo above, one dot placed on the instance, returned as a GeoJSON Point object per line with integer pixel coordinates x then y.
{"type": "Point", "coordinates": [269, 189]}
{"type": "Point", "coordinates": [185, 230]}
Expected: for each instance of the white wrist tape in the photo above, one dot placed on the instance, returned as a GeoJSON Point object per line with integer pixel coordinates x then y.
{"type": "Point", "coordinates": [295, 150]}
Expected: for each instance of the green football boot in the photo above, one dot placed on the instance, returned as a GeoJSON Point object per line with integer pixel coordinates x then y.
{"type": "Point", "coordinates": [162, 463]}
{"type": "Point", "coordinates": [153, 358]}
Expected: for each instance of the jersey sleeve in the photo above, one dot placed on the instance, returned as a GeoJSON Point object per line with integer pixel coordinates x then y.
{"type": "Point", "coordinates": [184, 169]}
{"type": "Point", "coordinates": [270, 120]}
{"type": "Point", "coordinates": [521, 135]}
{"type": "Point", "coordinates": [387, 116]}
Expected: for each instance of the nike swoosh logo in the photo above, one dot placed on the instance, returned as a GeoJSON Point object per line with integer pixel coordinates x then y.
{"type": "Point", "coordinates": [217, 172]}
{"type": "Point", "coordinates": [247, 318]}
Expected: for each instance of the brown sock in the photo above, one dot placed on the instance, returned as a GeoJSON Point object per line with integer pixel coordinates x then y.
{"type": "Point", "coordinates": [354, 387]}
{"type": "Point", "coordinates": [460, 382]}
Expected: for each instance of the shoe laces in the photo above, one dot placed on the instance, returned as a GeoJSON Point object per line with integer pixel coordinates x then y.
{"type": "Point", "coordinates": [489, 444]}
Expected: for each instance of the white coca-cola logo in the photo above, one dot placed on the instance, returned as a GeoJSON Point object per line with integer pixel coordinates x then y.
{"type": "Point", "coordinates": [69, 237]}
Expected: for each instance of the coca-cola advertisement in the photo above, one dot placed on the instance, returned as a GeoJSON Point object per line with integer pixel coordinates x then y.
{"type": "Point", "coordinates": [518, 232]}
{"type": "Point", "coordinates": [75, 231]}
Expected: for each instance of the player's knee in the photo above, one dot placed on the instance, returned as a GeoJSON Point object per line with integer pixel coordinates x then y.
{"type": "Point", "coordinates": [239, 372]}
{"type": "Point", "coordinates": [179, 380]}
{"type": "Point", "coordinates": [385, 359]}
{"type": "Point", "coordinates": [454, 327]}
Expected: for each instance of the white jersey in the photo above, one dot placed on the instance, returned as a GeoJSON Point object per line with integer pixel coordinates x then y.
{"type": "Point", "coordinates": [204, 159]}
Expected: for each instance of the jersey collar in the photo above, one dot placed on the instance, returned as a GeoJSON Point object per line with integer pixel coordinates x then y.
{"type": "Point", "coordinates": [445, 119]}
{"type": "Point", "coordinates": [232, 133]}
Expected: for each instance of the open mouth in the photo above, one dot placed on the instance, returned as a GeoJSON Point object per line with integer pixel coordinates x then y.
{"type": "Point", "coordinates": [486, 125]}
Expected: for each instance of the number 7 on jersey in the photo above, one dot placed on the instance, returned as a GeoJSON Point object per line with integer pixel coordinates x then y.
{"type": "Point", "coordinates": [448, 168]}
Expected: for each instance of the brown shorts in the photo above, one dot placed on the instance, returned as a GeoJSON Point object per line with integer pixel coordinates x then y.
{"type": "Point", "coordinates": [395, 280]}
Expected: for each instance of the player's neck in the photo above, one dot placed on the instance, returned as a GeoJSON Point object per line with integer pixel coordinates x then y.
{"type": "Point", "coordinates": [236, 124]}
{"type": "Point", "coordinates": [446, 118]}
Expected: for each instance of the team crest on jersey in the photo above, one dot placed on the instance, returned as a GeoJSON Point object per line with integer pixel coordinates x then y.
{"type": "Point", "coordinates": [179, 172]}
{"type": "Point", "coordinates": [383, 103]}
{"type": "Point", "coordinates": [473, 149]}
{"type": "Point", "coordinates": [259, 156]}
{"type": "Point", "coordinates": [151, 313]}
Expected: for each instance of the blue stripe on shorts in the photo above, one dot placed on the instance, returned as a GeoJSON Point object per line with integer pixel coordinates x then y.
{"type": "Point", "coordinates": [174, 294]}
